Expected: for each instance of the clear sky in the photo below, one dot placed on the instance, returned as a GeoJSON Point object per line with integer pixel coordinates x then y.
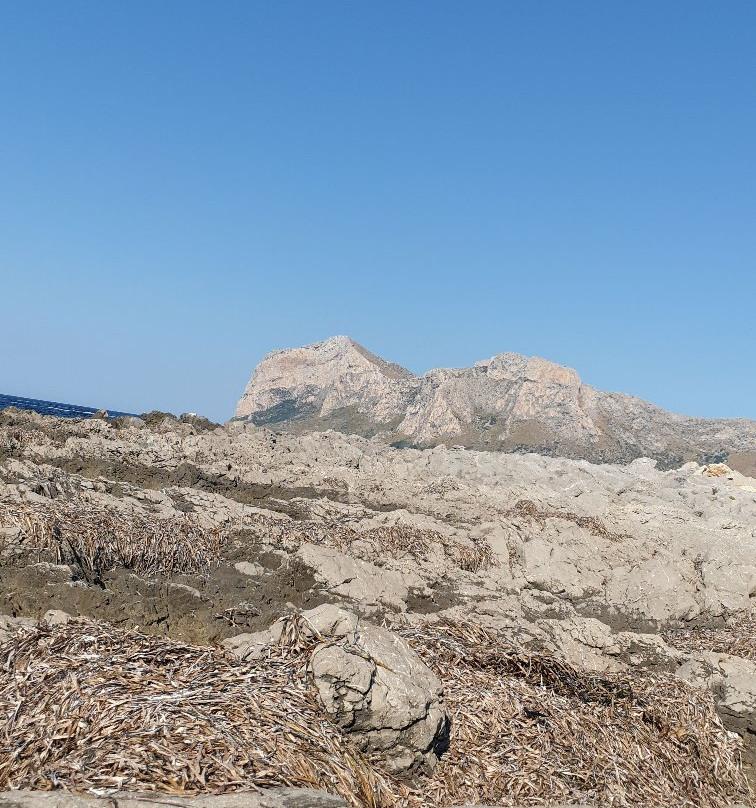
{"type": "Point", "coordinates": [187, 185]}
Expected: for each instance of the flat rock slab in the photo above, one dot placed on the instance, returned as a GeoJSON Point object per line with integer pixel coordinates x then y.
{"type": "Point", "coordinates": [273, 798]}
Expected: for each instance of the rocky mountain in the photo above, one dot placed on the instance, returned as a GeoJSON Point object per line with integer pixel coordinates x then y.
{"type": "Point", "coordinates": [509, 403]}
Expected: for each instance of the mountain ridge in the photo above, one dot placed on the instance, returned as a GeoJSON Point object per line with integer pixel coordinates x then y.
{"type": "Point", "coordinates": [508, 402]}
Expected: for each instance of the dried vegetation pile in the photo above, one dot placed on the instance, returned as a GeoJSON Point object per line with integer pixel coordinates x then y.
{"type": "Point", "coordinates": [528, 729]}
{"type": "Point", "coordinates": [98, 539]}
{"type": "Point", "coordinates": [738, 638]}
{"type": "Point", "coordinates": [90, 706]}
{"type": "Point", "coordinates": [376, 544]}
{"type": "Point", "coordinates": [86, 705]}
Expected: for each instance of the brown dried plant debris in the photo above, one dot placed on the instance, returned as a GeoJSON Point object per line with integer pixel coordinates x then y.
{"type": "Point", "coordinates": [526, 508]}
{"type": "Point", "coordinates": [528, 729]}
{"type": "Point", "coordinates": [99, 539]}
{"type": "Point", "coordinates": [737, 638]}
{"type": "Point", "coordinates": [376, 544]}
{"type": "Point", "coordinates": [89, 706]}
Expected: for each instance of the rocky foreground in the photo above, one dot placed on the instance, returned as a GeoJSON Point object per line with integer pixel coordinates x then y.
{"type": "Point", "coordinates": [192, 608]}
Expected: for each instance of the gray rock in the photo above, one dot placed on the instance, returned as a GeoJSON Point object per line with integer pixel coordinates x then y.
{"type": "Point", "coordinates": [128, 422]}
{"type": "Point", "coordinates": [372, 685]}
{"type": "Point", "coordinates": [248, 568]}
{"type": "Point", "coordinates": [298, 382]}
{"type": "Point", "coordinates": [732, 680]}
{"type": "Point", "coordinates": [273, 798]}
{"type": "Point", "coordinates": [56, 617]}
{"type": "Point", "coordinates": [590, 644]}
{"type": "Point", "coordinates": [357, 580]}
{"type": "Point", "coordinates": [10, 625]}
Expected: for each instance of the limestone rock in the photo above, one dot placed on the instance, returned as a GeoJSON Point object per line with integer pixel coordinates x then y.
{"type": "Point", "coordinates": [732, 680]}
{"type": "Point", "coordinates": [272, 798]}
{"type": "Point", "coordinates": [657, 588]}
{"type": "Point", "coordinates": [10, 625]}
{"type": "Point", "coordinates": [56, 617]}
{"type": "Point", "coordinates": [590, 644]}
{"type": "Point", "coordinates": [372, 685]}
{"type": "Point", "coordinates": [324, 378]}
{"type": "Point", "coordinates": [359, 581]}
{"type": "Point", "coordinates": [584, 642]}
{"type": "Point", "coordinates": [506, 403]}
{"type": "Point", "coordinates": [247, 568]}
{"type": "Point", "coordinates": [632, 545]}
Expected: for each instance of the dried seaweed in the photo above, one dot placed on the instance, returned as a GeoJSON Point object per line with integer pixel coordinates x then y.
{"type": "Point", "coordinates": [375, 544]}
{"type": "Point", "coordinates": [98, 539]}
{"type": "Point", "coordinates": [89, 706]}
{"type": "Point", "coordinates": [737, 638]}
{"type": "Point", "coordinates": [526, 508]}
{"type": "Point", "coordinates": [528, 729]}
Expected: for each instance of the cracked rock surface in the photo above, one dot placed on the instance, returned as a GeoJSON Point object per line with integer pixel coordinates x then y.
{"type": "Point", "coordinates": [372, 685]}
{"type": "Point", "coordinates": [590, 562]}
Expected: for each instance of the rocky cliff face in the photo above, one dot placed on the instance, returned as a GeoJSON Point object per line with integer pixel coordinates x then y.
{"type": "Point", "coordinates": [323, 380]}
{"type": "Point", "coordinates": [507, 403]}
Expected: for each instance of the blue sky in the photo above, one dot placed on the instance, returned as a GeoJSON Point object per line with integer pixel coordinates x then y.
{"type": "Point", "coordinates": [187, 185]}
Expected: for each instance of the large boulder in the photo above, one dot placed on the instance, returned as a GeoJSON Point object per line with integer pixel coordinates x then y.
{"type": "Point", "coordinates": [371, 684]}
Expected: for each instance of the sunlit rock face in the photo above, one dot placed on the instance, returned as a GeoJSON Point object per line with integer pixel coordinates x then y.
{"type": "Point", "coordinates": [507, 403]}
{"type": "Point", "coordinates": [324, 379]}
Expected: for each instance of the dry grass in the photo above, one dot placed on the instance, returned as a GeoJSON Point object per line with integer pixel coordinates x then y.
{"type": "Point", "coordinates": [527, 509]}
{"type": "Point", "coordinates": [738, 638]}
{"type": "Point", "coordinates": [89, 706]}
{"type": "Point", "coordinates": [376, 544]}
{"type": "Point", "coordinates": [528, 729]}
{"type": "Point", "coordinates": [99, 539]}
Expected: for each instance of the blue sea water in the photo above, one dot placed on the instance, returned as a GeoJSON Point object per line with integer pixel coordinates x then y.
{"type": "Point", "coordinates": [52, 407]}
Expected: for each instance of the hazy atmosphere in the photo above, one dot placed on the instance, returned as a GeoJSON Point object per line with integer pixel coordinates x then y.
{"type": "Point", "coordinates": [189, 185]}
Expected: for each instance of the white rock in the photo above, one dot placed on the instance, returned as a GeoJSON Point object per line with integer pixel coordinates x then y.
{"type": "Point", "coordinates": [376, 688]}
{"type": "Point", "coordinates": [272, 798]}
{"type": "Point", "coordinates": [249, 568]}
{"type": "Point", "coordinates": [732, 680]}
{"type": "Point", "coordinates": [371, 684]}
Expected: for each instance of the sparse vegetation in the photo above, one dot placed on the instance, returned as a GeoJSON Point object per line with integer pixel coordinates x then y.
{"type": "Point", "coordinates": [737, 638]}
{"type": "Point", "coordinates": [98, 539]}
{"type": "Point", "coordinates": [527, 509]}
{"type": "Point", "coordinates": [376, 544]}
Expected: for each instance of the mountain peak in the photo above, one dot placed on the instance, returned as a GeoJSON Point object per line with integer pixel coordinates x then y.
{"type": "Point", "coordinates": [506, 403]}
{"type": "Point", "coordinates": [318, 379]}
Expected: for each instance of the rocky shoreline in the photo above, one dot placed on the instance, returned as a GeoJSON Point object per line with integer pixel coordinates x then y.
{"type": "Point", "coordinates": [185, 532]}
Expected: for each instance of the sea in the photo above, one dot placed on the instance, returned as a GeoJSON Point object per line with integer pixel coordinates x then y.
{"type": "Point", "coordinates": [53, 407]}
